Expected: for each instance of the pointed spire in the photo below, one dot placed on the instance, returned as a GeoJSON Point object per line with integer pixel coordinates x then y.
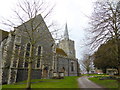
{"type": "Point", "coordinates": [66, 36]}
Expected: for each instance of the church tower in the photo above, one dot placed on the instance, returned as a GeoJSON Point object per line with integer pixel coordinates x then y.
{"type": "Point", "coordinates": [67, 45]}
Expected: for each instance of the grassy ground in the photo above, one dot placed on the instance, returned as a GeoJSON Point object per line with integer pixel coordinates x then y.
{"type": "Point", "coordinates": [95, 75]}
{"type": "Point", "coordinates": [67, 82]}
{"type": "Point", "coordinates": [105, 83]}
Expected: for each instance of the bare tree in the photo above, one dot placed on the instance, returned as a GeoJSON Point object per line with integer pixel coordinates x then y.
{"type": "Point", "coordinates": [56, 31]}
{"type": "Point", "coordinates": [87, 63]}
{"type": "Point", "coordinates": [29, 10]}
{"type": "Point", "coordinates": [105, 22]}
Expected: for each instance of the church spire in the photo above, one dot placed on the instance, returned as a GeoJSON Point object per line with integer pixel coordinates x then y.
{"type": "Point", "coordinates": [66, 36]}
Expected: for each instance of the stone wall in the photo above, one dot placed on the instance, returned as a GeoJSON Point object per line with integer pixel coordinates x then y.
{"type": "Point", "coordinates": [65, 64]}
{"type": "Point", "coordinates": [68, 47]}
{"type": "Point", "coordinates": [22, 74]}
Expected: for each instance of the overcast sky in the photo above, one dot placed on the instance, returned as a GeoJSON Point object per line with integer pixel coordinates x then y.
{"type": "Point", "coordinates": [75, 13]}
{"type": "Point", "coordinates": [71, 11]}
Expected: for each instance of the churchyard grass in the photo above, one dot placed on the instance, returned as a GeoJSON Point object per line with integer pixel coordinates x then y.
{"type": "Point", "coordinates": [95, 75]}
{"type": "Point", "coordinates": [67, 82]}
{"type": "Point", "coordinates": [105, 83]}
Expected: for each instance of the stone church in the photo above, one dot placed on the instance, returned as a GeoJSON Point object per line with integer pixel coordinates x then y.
{"type": "Point", "coordinates": [49, 57]}
{"type": "Point", "coordinates": [65, 56]}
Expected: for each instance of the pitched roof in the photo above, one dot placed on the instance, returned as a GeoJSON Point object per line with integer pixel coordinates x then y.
{"type": "Point", "coordinates": [60, 52]}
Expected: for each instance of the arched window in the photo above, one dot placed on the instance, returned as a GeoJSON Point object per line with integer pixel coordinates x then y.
{"type": "Point", "coordinates": [15, 55]}
{"type": "Point", "coordinates": [39, 56]}
{"type": "Point", "coordinates": [72, 66]}
{"type": "Point", "coordinates": [27, 54]}
{"type": "Point", "coordinates": [39, 50]}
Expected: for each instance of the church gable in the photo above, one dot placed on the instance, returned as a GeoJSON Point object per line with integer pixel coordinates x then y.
{"type": "Point", "coordinates": [36, 28]}
{"type": "Point", "coordinates": [18, 42]}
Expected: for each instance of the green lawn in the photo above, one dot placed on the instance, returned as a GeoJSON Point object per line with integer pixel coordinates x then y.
{"type": "Point", "coordinates": [105, 83]}
{"type": "Point", "coordinates": [95, 75]}
{"type": "Point", "coordinates": [67, 82]}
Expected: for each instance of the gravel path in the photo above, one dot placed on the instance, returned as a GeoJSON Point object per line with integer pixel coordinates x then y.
{"type": "Point", "coordinates": [85, 83]}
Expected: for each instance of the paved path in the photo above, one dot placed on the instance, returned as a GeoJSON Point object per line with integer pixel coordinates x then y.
{"type": "Point", "coordinates": [85, 83]}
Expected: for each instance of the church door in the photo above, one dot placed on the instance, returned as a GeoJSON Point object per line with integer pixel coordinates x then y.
{"type": "Point", "coordinates": [45, 72]}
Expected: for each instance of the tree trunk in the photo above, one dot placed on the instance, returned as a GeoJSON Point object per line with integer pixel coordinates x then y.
{"type": "Point", "coordinates": [118, 70]}
{"type": "Point", "coordinates": [29, 76]}
{"type": "Point", "coordinates": [118, 59]}
{"type": "Point", "coordinates": [30, 68]}
{"type": "Point", "coordinates": [117, 53]}
{"type": "Point", "coordinates": [78, 71]}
